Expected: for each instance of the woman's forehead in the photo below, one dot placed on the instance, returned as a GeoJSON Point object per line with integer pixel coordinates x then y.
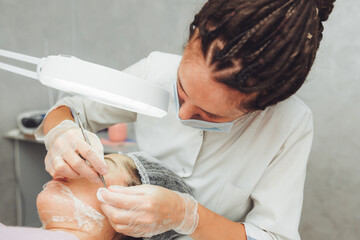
{"type": "Point", "coordinates": [200, 85]}
{"type": "Point", "coordinates": [118, 159]}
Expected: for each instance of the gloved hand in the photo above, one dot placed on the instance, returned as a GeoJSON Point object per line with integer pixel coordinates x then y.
{"type": "Point", "coordinates": [148, 210]}
{"type": "Point", "coordinates": [64, 144]}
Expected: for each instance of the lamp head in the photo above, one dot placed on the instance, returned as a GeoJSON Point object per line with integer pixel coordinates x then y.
{"type": "Point", "coordinates": [103, 84]}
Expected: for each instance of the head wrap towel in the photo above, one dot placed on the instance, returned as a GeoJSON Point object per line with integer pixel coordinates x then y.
{"type": "Point", "coordinates": [153, 172]}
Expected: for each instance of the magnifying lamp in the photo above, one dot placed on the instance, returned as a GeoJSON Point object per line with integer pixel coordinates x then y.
{"type": "Point", "coordinates": [93, 81]}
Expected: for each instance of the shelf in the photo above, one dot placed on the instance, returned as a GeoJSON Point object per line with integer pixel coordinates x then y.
{"type": "Point", "coordinates": [109, 147]}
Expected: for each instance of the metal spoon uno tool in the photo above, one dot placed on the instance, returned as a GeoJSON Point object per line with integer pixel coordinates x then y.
{"type": "Point", "coordinates": [88, 142]}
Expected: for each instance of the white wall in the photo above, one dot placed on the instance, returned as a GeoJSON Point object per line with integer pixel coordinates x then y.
{"type": "Point", "coordinates": [116, 33]}
{"type": "Point", "coordinates": [332, 191]}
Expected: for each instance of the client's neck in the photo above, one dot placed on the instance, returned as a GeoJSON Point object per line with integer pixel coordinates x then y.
{"type": "Point", "coordinates": [81, 235]}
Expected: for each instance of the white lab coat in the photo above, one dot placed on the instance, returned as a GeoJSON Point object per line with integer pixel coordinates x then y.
{"type": "Point", "coordinates": [255, 174]}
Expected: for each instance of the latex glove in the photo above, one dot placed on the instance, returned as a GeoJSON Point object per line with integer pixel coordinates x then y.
{"type": "Point", "coordinates": [147, 210]}
{"type": "Point", "coordinates": [64, 144]}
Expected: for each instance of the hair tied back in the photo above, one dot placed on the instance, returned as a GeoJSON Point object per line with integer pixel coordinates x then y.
{"type": "Point", "coordinates": [325, 7]}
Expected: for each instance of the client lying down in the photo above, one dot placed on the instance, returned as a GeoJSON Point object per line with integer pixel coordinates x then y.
{"type": "Point", "coordinates": [70, 209]}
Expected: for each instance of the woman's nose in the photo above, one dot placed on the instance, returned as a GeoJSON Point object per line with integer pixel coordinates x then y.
{"type": "Point", "coordinates": [187, 111]}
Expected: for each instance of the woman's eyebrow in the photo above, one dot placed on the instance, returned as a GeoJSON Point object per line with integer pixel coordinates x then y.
{"type": "Point", "coordinates": [110, 159]}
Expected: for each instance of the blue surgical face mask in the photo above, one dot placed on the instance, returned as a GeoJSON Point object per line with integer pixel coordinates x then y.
{"type": "Point", "coordinates": [199, 124]}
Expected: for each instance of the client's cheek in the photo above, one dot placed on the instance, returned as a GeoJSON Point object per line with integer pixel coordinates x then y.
{"type": "Point", "coordinates": [57, 204]}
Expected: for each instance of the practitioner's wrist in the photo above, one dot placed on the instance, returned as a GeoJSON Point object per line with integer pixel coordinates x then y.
{"type": "Point", "coordinates": [190, 218]}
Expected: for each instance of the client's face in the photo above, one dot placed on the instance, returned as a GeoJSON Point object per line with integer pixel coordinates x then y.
{"type": "Point", "coordinates": [72, 205]}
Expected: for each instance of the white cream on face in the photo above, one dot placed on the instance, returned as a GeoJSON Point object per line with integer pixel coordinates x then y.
{"type": "Point", "coordinates": [86, 217]}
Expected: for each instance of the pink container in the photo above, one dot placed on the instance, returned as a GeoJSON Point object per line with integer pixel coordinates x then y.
{"type": "Point", "coordinates": [118, 132]}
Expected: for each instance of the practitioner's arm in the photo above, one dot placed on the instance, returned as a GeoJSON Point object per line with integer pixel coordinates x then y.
{"type": "Point", "coordinates": [55, 117]}
{"type": "Point", "coordinates": [213, 226]}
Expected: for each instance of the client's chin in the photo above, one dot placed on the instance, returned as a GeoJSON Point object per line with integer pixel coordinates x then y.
{"type": "Point", "coordinates": [59, 208]}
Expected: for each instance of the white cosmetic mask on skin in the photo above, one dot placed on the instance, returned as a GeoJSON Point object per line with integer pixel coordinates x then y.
{"type": "Point", "coordinates": [200, 124]}
{"type": "Point", "coordinates": [86, 217]}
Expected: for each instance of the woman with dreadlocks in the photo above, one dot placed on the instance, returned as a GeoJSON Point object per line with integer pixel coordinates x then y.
{"type": "Point", "coordinates": [234, 131]}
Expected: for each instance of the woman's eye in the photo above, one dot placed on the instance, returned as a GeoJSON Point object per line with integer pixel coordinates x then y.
{"type": "Point", "coordinates": [211, 117]}
{"type": "Point", "coordinates": [180, 87]}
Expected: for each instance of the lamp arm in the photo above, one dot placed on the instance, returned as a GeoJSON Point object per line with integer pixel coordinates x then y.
{"type": "Point", "coordinates": [21, 71]}
{"type": "Point", "coordinates": [19, 57]}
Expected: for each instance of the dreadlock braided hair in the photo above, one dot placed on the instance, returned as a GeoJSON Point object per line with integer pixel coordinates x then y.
{"type": "Point", "coordinates": [273, 41]}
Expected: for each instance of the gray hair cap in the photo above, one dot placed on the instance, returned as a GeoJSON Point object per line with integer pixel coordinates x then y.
{"type": "Point", "coordinates": [153, 172]}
